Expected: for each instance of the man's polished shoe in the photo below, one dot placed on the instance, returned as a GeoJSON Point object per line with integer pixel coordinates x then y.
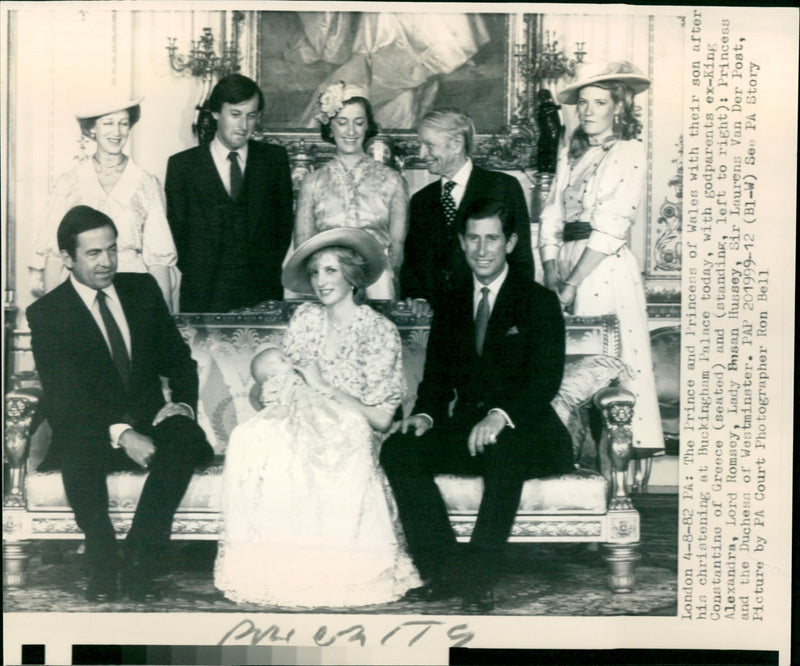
{"type": "Point", "coordinates": [479, 600]}
{"type": "Point", "coordinates": [102, 588]}
{"type": "Point", "coordinates": [432, 591]}
{"type": "Point", "coordinates": [137, 583]}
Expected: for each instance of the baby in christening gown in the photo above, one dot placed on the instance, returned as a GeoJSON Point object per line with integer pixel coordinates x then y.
{"type": "Point", "coordinates": [295, 406]}
{"type": "Point", "coordinates": [305, 518]}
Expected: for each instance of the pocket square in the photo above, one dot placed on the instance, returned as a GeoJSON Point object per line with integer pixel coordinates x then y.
{"type": "Point", "coordinates": [512, 331]}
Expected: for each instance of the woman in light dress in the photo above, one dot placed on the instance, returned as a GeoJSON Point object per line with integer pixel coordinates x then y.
{"type": "Point", "coordinates": [354, 190]}
{"type": "Point", "coordinates": [308, 517]}
{"type": "Point", "coordinates": [112, 183]}
{"type": "Point", "coordinates": [584, 224]}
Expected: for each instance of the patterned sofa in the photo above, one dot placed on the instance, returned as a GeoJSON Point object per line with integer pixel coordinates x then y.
{"type": "Point", "coordinates": [586, 505]}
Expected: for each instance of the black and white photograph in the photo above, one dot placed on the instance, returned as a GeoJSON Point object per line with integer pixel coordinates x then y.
{"type": "Point", "coordinates": [388, 330]}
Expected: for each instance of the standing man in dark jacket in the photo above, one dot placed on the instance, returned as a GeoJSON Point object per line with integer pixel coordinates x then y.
{"type": "Point", "coordinates": [496, 347]}
{"type": "Point", "coordinates": [229, 205]}
{"type": "Point", "coordinates": [102, 341]}
{"type": "Point", "coordinates": [434, 263]}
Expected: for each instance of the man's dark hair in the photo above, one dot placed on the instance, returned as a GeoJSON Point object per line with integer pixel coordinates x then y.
{"type": "Point", "coordinates": [234, 89]}
{"type": "Point", "coordinates": [480, 209]}
{"type": "Point", "coordinates": [75, 222]}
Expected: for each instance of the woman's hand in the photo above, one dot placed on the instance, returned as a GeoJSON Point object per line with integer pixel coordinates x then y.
{"type": "Point", "coordinates": [551, 279]}
{"type": "Point", "coordinates": [313, 376]}
{"type": "Point", "coordinates": [567, 296]}
{"type": "Point", "coordinates": [37, 282]}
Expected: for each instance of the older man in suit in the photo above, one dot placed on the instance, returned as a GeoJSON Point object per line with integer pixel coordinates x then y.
{"type": "Point", "coordinates": [434, 263]}
{"type": "Point", "coordinates": [497, 347]}
{"type": "Point", "coordinates": [101, 342]}
{"type": "Point", "coordinates": [229, 205]}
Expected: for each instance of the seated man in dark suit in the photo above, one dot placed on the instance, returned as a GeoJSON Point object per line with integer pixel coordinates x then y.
{"type": "Point", "coordinates": [433, 261]}
{"type": "Point", "coordinates": [101, 342]}
{"type": "Point", "coordinates": [497, 344]}
{"type": "Point", "coordinates": [229, 206]}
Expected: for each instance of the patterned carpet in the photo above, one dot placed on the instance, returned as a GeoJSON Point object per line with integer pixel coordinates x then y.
{"type": "Point", "coordinates": [536, 579]}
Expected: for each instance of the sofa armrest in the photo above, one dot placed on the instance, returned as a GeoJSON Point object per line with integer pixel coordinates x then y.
{"type": "Point", "coordinates": [21, 404]}
{"type": "Point", "coordinates": [616, 443]}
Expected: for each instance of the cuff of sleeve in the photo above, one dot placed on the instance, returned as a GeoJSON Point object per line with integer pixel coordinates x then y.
{"type": "Point", "coordinates": [548, 252]}
{"type": "Point", "coordinates": [189, 407]}
{"type": "Point", "coordinates": [427, 416]}
{"type": "Point", "coordinates": [502, 412]}
{"type": "Point", "coordinates": [37, 262]}
{"type": "Point", "coordinates": [604, 243]}
{"type": "Point", "coordinates": [115, 431]}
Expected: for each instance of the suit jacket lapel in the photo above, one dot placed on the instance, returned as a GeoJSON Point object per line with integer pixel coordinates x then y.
{"type": "Point", "coordinates": [207, 173]}
{"type": "Point", "coordinates": [471, 192]}
{"type": "Point", "coordinates": [502, 317]}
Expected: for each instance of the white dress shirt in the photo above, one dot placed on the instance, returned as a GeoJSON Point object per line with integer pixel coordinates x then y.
{"type": "Point", "coordinates": [219, 153]}
{"type": "Point", "coordinates": [494, 289]}
{"type": "Point", "coordinates": [461, 178]}
{"type": "Point", "coordinates": [89, 297]}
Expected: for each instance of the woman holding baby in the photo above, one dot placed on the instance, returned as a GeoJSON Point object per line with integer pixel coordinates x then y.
{"type": "Point", "coordinates": [308, 517]}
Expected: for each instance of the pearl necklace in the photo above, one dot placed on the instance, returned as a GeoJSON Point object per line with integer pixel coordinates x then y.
{"type": "Point", "coordinates": [107, 170]}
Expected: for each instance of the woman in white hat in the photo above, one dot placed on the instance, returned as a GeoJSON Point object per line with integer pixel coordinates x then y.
{"type": "Point", "coordinates": [112, 183]}
{"type": "Point", "coordinates": [354, 190]}
{"type": "Point", "coordinates": [584, 225]}
{"type": "Point", "coordinates": [308, 519]}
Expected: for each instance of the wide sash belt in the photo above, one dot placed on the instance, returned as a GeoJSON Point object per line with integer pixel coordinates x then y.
{"type": "Point", "coordinates": [574, 231]}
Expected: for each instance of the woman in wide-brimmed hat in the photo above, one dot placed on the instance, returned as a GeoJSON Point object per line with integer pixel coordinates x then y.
{"type": "Point", "coordinates": [112, 183]}
{"type": "Point", "coordinates": [353, 189]}
{"type": "Point", "coordinates": [594, 200]}
{"type": "Point", "coordinates": [307, 515]}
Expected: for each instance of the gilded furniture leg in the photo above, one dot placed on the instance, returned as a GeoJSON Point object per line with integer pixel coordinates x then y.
{"type": "Point", "coordinates": [20, 407]}
{"type": "Point", "coordinates": [15, 564]}
{"type": "Point", "coordinates": [621, 559]}
{"type": "Point", "coordinates": [616, 406]}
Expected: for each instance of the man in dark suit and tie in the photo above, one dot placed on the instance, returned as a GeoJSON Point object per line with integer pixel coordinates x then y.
{"type": "Point", "coordinates": [497, 345]}
{"type": "Point", "coordinates": [229, 205]}
{"type": "Point", "coordinates": [433, 261]}
{"type": "Point", "coordinates": [101, 342]}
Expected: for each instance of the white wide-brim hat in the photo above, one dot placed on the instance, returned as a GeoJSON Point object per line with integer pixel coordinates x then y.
{"type": "Point", "coordinates": [297, 280]}
{"type": "Point", "coordinates": [592, 73]}
{"type": "Point", "coordinates": [102, 102]}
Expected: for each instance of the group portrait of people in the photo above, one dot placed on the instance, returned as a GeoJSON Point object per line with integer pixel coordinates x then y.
{"type": "Point", "coordinates": [329, 496]}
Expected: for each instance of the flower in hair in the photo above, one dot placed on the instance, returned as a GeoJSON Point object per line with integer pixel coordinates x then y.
{"type": "Point", "coordinates": [331, 102]}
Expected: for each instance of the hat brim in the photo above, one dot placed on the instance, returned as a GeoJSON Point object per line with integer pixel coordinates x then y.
{"type": "Point", "coordinates": [97, 109]}
{"type": "Point", "coordinates": [295, 278]}
{"type": "Point", "coordinates": [636, 82]}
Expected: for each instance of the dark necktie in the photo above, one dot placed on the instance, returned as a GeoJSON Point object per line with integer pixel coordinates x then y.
{"type": "Point", "coordinates": [482, 320]}
{"type": "Point", "coordinates": [119, 353]}
{"type": "Point", "coordinates": [236, 175]}
{"type": "Point", "coordinates": [448, 203]}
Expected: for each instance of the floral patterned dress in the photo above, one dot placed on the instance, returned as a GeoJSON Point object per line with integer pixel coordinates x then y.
{"type": "Point", "coordinates": [308, 517]}
{"type": "Point", "coordinates": [367, 196]}
{"type": "Point", "coordinates": [604, 188]}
